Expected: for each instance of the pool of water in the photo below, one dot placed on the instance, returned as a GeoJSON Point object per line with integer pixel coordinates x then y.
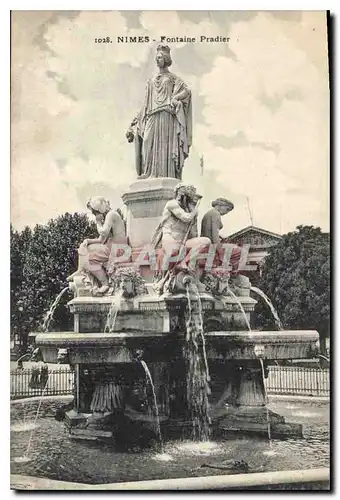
{"type": "Point", "coordinates": [54, 455]}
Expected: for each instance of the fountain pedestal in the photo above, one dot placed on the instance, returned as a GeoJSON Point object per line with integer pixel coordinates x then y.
{"type": "Point", "coordinates": [243, 405]}
{"type": "Point", "coordinates": [240, 368]}
{"type": "Point", "coordinates": [145, 201]}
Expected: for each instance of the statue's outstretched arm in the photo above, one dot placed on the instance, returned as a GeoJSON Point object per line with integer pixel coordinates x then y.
{"type": "Point", "coordinates": [141, 112]}
{"type": "Point", "coordinates": [130, 133]}
{"type": "Point", "coordinates": [135, 120]}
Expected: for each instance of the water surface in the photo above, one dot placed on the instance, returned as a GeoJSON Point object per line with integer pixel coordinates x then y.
{"type": "Point", "coordinates": [54, 455]}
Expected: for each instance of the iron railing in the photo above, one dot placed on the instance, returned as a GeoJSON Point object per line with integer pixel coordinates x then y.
{"type": "Point", "coordinates": [289, 380]}
{"type": "Point", "coordinates": [28, 382]}
{"type": "Point", "coordinates": [298, 381]}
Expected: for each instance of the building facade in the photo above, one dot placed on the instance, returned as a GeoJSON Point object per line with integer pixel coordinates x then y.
{"type": "Point", "coordinates": [260, 242]}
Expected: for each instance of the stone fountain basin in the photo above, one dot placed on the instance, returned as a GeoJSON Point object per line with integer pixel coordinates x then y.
{"type": "Point", "coordinates": [125, 346]}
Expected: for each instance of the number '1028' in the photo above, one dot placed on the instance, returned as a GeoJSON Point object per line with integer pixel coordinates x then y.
{"type": "Point", "coordinates": [107, 39]}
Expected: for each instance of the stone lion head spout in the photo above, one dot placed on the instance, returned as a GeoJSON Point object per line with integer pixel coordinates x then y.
{"type": "Point", "coordinates": [63, 356]}
{"type": "Point", "coordinates": [128, 282]}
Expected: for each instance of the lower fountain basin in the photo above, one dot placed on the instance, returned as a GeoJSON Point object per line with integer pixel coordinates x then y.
{"type": "Point", "coordinates": [55, 456]}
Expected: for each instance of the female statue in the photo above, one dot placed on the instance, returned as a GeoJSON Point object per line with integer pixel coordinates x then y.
{"type": "Point", "coordinates": [94, 253]}
{"type": "Point", "coordinates": [164, 124]}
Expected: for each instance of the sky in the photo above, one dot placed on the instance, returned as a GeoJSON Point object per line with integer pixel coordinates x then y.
{"type": "Point", "coordinates": [260, 111]}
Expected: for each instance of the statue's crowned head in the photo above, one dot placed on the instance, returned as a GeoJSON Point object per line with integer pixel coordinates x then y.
{"type": "Point", "coordinates": [163, 53]}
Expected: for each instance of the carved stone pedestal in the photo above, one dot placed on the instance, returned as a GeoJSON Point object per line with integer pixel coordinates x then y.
{"type": "Point", "coordinates": [78, 428]}
{"type": "Point", "coordinates": [242, 406]}
{"type": "Point", "coordinates": [254, 420]}
{"type": "Point", "coordinates": [145, 201]}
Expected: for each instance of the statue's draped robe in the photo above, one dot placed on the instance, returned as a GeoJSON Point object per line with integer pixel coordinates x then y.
{"type": "Point", "coordinates": [164, 133]}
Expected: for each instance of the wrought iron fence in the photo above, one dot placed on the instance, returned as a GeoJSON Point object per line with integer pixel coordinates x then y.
{"type": "Point", "coordinates": [28, 382]}
{"type": "Point", "coordinates": [298, 381]}
{"type": "Point", "coordinates": [288, 380]}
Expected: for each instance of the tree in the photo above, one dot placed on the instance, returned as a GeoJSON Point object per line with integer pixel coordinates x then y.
{"type": "Point", "coordinates": [19, 243]}
{"type": "Point", "coordinates": [47, 261]}
{"type": "Point", "coordinates": [296, 277]}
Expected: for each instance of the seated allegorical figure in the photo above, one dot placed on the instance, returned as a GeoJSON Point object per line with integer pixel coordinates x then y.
{"type": "Point", "coordinates": [210, 228]}
{"type": "Point", "coordinates": [94, 253]}
{"type": "Point", "coordinates": [212, 220]}
{"type": "Point", "coordinates": [178, 226]}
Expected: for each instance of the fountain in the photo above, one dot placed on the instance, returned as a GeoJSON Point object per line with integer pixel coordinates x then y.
{"type": "Point", "coordinates": [191, 336]}
{"type": "Point", "coordinates": [206, 365]}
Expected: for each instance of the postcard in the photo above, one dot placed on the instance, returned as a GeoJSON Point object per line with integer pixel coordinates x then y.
{"type": "Point", "coordinates": [170, 250]}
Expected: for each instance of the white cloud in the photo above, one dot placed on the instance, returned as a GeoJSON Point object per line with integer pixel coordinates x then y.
{"type": "Point", "coordinates": [38, 189]}
{"type": "Point", "coordinates": [268, 67]}
{"type": "Point", "coordinates": [80, 99]}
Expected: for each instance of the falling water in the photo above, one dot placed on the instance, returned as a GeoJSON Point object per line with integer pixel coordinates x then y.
{"type": "Point", "coordinates": [201, 331]}
{"type": "Point", "coordinates": [158, 427]}
{"type": "Point", "coordinates": [25, 457]}
{"type": "Point", "coordinates": [277, 320]}
{"type": "Point", "coordinates": [198, 389]}
{"type": "Point", "coordinates": [266, 401]}
{"type": "Point", "coordinates": [23, 426]}
{"type": "Point", "coordinates": [241, 307]}
{"type": "Point", "coordinates": [50, 312]}
{"type": "Point", "coordinates": [324, 357]}
{"type": "Point", "coordinates": [261, 361]}
{"type": "Point", "coordinates": [112, 314]}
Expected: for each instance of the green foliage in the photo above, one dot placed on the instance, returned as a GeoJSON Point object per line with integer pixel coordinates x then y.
{"type": "Point", "coordinates": [41, 260]}
{"type": "Point", "coordinates": [296, 277]}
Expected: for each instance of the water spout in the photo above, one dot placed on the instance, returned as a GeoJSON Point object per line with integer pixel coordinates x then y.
{"type": "Point", "coordinates": [266, 400]}
{"type": "Point", "coordinates": [258, 354]}
{"type": "Point", "coordinates": [323, 357]}
{"type": "Point", "coordinates": [24, 425]}
{"type": "Point", "coordinates": [241, 308]}
{"type": "Point", "coordinates": [198, 389]}
{"type": "Point", "coordinates": [20, 360]}
{"type": "Point", "coordinates": [201, 331]}
{"type": "Point", "coordinates": [49, 315]}
{"type": "Point", "coordinates": [25, 457]}
{"type": "Point", "coordinates": [259, 292]}
{"type": "Point", "coordinates": [112, 314]}
{"type": "Point", "coordinates": [158, 427]}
